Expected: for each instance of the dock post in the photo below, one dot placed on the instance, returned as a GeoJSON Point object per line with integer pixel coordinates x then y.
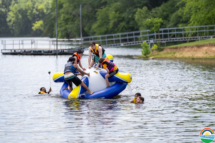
{"type": "Point", "coordinates": [168, 33]}
{"type": "Point", "coordinates": [162, 34]}
{"type": "Point", "coordinates": [141, 36]}
{"type": "Point", "coordinates": [49, 46]}
{"type": "Point", "coordinates": [120, 39]}
{"type": "Point", "coordinates": [204, 31]}
{"type": "Point", "coordinates": [81, 25]}
{"type": "Point", "coordinates": [214, 30]}
{"type": "Point", "coordinates": [148, 34]}
{"type": "Point", "coordinates": [56, 30]}
{"type": "Point", "coordinates": [197, 31]}
{"type": "Point", "coordinates": [183, 34]}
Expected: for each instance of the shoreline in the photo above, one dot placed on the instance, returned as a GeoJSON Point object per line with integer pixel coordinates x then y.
{"type": "Point", "coordinates": [204, 51]}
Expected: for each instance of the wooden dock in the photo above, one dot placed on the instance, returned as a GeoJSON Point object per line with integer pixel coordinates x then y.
{"type": "Point", "coordinates": [39, 51]}
{"type": "Point", "coordinates": [40, 46]}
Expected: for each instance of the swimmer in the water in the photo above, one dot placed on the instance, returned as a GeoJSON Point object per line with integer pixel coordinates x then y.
{"type": "Point", "coordinates": [135, 98]}
{"type": "Point", "coordinates": [43, 90]}
{"type": "Point", "coordinates": [140, 100]}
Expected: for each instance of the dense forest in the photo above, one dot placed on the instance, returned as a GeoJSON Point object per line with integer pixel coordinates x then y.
{"type": "Point", "coordinates": [37, 17]}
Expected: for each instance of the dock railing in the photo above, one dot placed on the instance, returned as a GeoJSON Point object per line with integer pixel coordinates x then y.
{"type": "Point", "coordinates": [164, 35]}
{"type": "Point", "coordinates": [35, 44]}
{"type": "Point", "coordinates": [177, 34]}
{"type": "Point", "coordinates": [39, 46]}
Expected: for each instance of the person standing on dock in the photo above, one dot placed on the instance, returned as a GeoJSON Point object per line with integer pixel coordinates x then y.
{"type": "Point", "coordinates": [77, 56]}
{"type": "Point", "coordinates": [98, 52]}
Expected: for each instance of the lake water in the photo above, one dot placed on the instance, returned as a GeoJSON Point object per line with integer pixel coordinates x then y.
{"type": "Point", "coordinates": [179, 102]}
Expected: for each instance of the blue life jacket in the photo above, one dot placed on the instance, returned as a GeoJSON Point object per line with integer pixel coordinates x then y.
{"type": "Point", "coordinates": [69, 68]}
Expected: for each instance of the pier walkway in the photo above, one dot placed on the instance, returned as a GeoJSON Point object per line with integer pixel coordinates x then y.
{"type": "Point", "coordinates": [68, 46]}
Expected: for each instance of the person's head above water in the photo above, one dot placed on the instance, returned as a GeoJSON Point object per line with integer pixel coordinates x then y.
{"type": "Point", "coordinates": [101, 60]}
{"type": "Point", "coordinates": [43, 89]}
{"type": "Point", "coordinates": [137, 95]}
{"type": "Point", "coordinates": [140, 100]}
{"type": "Point", "coordinates": [92, 45]}
{"type": "Point", "coordinates": [80, 52]}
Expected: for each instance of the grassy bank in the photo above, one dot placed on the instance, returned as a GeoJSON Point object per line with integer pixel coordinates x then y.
{"type": "Point", "coordinates": [202, 42]}
{"type": "Point", "coordinates": [204, 49]}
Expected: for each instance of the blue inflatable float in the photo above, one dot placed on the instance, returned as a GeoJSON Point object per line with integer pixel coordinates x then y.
{"type": "Point", "coordinates": [95, 82]}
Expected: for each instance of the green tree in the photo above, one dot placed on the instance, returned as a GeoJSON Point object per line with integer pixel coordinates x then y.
{"type": "Point", "coordinates": [145, 49]}
{"type": "Point", "coordinates": [141, 16]}
{"type": "Point", "coordinates": [101, 26]}
{"type": "Point", "coordinates": [38, 25]}
{"type": "Point", "coordinates": [99, 17]}
{"type": "Point", "coordinates": [118, 16]}
{"type": "Point", "coordinates": [153, 24]}
{"type": "Point", "coordinates": [25, 15]}
{"type": "Point", "coordinates": [34, 17]}
{"type": "Point", "coordinates": [4, 9]}
{"type": "Point", "coordinates": [202, 11]}
{"type": "Point", "coordinates": [164, 12]}
{"type": "Point", "coordinates": [69, 18]}
{"type": "Point", "coordinates": [177, 18]}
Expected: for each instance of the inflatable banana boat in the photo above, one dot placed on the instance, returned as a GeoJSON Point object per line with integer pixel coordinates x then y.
{"type": "Point", "coordinates": [95, 82]}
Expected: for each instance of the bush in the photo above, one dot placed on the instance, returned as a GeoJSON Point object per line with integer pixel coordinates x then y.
{"type": "Point", "coordinates": [145, 49]}
{"type": "Point", "coordinates": [154, 47]}
{"type": "Point", "coordinates": [158, 48]}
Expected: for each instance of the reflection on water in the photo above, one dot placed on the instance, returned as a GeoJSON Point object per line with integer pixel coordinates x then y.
{"type": "Point", "coordinates": [179, 102]}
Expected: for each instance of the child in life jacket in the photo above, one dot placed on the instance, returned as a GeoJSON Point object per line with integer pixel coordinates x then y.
{"type": "Point", "coordinates": [110, 67]}
{"type": "Point", "coordinates": [70, 75]}
{"type": "Point", "coordinates": [77, 55]}
{"type": "Point", "coordinates": [43, 90]}
{"type": "Point", "coordinates": [135, 98]}
{"type": "Point", "coordinates": [138, 99]}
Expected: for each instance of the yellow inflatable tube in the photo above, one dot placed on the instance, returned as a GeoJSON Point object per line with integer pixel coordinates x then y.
{"type": "Point", "coordinates": [127, 77]}
{"type": "Point", "coordinates": [75, 92]}
{"type": "Point", "coordinates": [58, 77]}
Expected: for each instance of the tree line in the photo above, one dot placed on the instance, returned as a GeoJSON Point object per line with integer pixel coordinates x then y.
{"type": "Point", "coordinates": [37, 17]}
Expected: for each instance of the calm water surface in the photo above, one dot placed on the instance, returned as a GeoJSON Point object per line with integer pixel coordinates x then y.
{"type": "Point", "coordinates": [179, 102]}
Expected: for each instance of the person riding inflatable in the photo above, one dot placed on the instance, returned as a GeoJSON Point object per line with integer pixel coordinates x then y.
{"type": "Point", "coordinates": [70, 75]}
{"type": "Point", "coordinates": [110, 67]}
{"type": "Point", "coordinates": [98, 52]}
{"type": "Point", "coordinates": [77, 55]}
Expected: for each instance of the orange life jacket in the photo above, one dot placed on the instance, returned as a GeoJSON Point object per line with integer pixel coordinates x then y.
{"type": "Point", "coordinates": [79, 58]}
{"type": "Point", "coordinates": [110, 65]}
{"type": "Point", "coordinates": [106, 60]}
